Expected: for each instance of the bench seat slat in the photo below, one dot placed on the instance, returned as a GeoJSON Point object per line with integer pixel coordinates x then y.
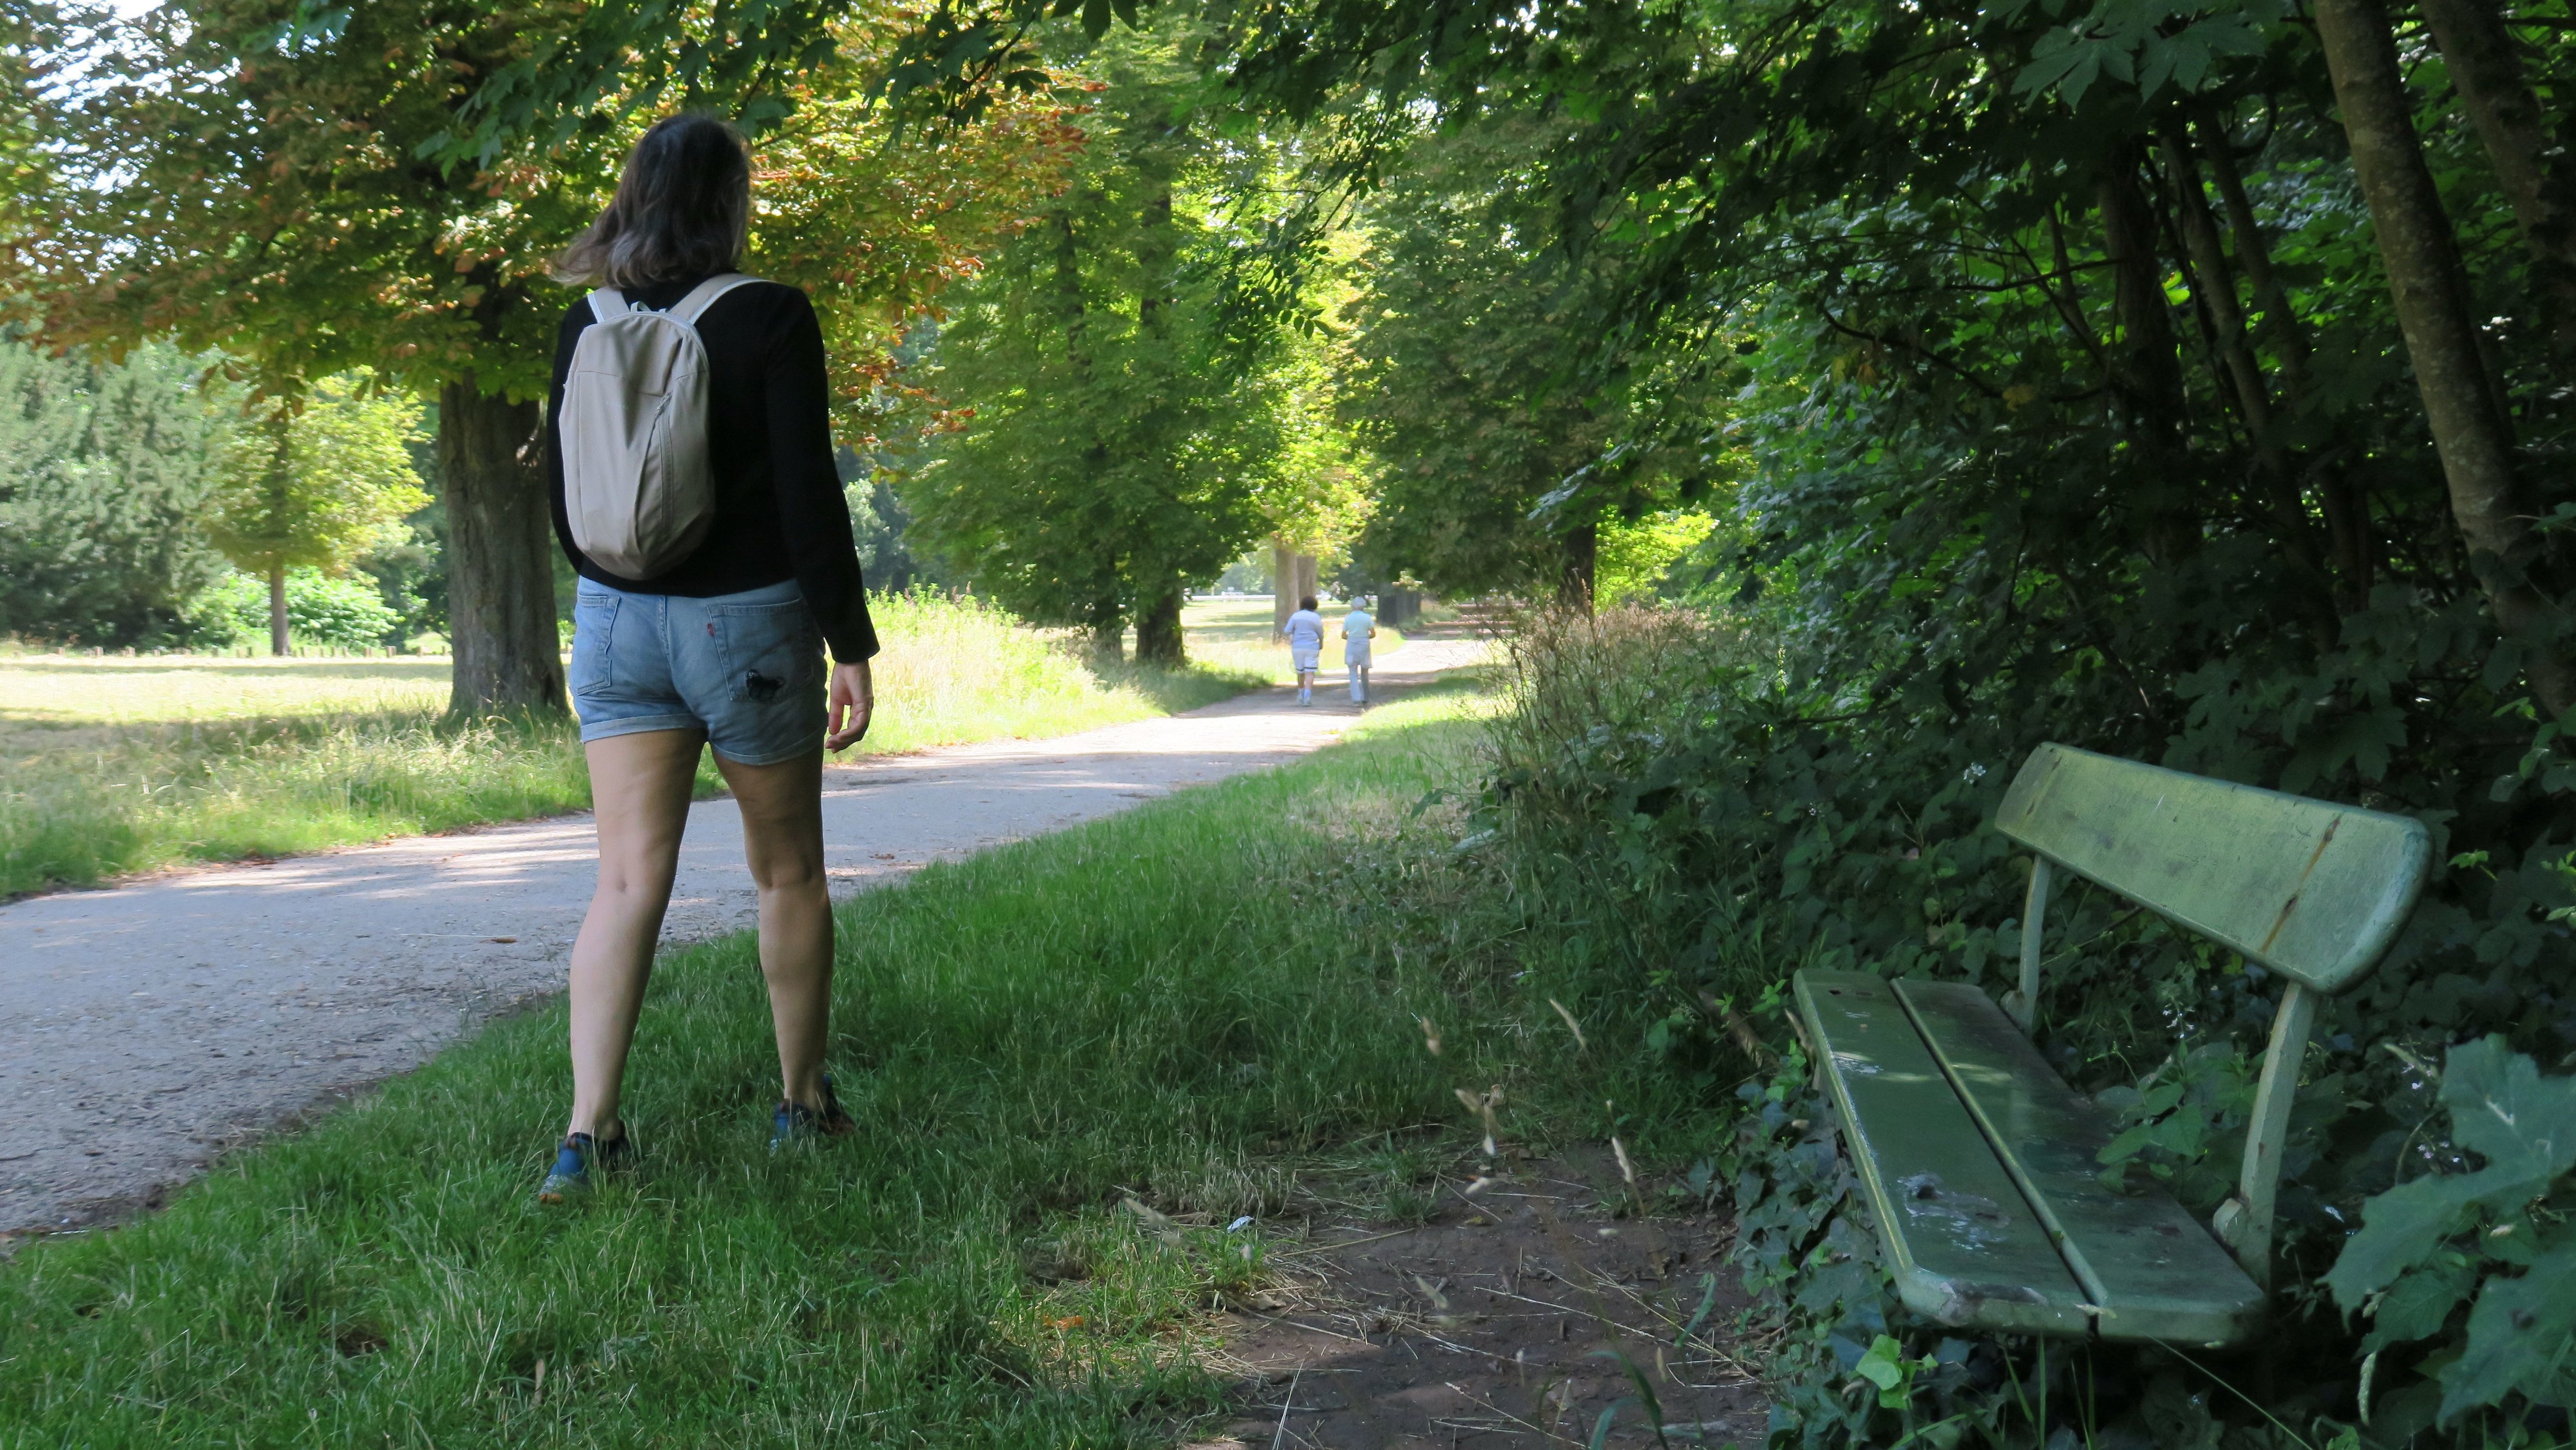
{"type": "Point", "coordinates": [2155, 1272]}
{"type": "Point", "coordinates": [1965, 1248]}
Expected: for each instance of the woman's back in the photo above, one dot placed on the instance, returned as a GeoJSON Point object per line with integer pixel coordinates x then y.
{"type": "Point", "coordinates": [779, 509]}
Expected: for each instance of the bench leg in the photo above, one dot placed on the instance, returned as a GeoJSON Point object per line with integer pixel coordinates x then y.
{"type": "Point", "coordinates": [2244, 1221]}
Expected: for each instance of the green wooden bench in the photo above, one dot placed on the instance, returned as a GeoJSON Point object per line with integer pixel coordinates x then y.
{"type": "Point", "coordinates": [1981, 1165]}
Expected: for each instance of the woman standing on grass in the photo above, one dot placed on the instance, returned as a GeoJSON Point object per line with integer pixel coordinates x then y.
{"type": "Point", "coordinates": [724, 649]}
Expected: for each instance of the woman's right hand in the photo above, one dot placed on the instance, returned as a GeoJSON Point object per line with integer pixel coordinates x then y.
{"type": "Point", "coordinates": [852, 701]}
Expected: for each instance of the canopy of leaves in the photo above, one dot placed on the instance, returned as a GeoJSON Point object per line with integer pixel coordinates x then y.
{"type": "Point", "coordinates": [1489, 431]}
{"type": "Point", "coordinates": [1118, 437]}
{"type": "Point", "coordinates": [243, 174]}
{"type": "Point", "coordinates": [265, 177]}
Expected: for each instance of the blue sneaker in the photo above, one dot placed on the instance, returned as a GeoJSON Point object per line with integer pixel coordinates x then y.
{"type": "Point", "coordinates": [793, 1122]}
{"type": "Point", "coordinates": [574, 1160]}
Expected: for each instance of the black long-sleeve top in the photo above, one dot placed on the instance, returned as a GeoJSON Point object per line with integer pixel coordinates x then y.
{"type": "Point", "coordinates": [779, 509]}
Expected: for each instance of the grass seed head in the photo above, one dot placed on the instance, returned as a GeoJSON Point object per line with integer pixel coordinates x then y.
{"type": "Point", "coordinates": [1570, 1025]}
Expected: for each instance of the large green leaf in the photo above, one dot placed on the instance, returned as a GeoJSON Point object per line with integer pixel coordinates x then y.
{"type": "Point", "coordinates": [2522, 1336]}
{"type": "Point", "coordinates": [2501, 1108]}
{"type": "Point", "coordinates": [2418, 1304]}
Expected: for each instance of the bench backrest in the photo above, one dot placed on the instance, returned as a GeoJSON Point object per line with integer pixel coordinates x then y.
{"type": "Point", "coordinates": [2312, 890]}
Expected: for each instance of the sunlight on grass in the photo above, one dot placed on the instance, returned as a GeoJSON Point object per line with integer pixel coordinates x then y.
{"type": "Point", "coordinates": [54, 691]}
{"type": "Point", "coordinates": [110, 766]}
{"type": "Point", "coordinates": [952, 672]}
{"type": "Point", "coordinates": [1024, 1049]}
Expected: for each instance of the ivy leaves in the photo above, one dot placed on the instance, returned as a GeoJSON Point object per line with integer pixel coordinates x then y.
{"type": "Point", "coordinates": [2425, 1244]}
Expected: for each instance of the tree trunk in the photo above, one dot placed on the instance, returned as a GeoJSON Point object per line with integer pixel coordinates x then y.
{"type": "Point", "coordinates": [2214, 286]}
{"type": "Point", "coordinates": [1109, 641]}
{"type": "Point", "coordinates": [2279, 325]}
{"type": "Point", "coordinates": [1292, 579]}
{"type": "Point", "coordinates": [2347, 511]}
{"type": "Point", "coordinates": [2538, 177]}
{"type": "Point", "coordinates": [1155, 248]}
{"type": "Point", "coordinates": [2436, 316]}
{"type": "Point", "coordinates": [1575, 567]}
{"type": "Point", "coordinates": [277, 641]}
{"type": "Point", "coordinates": [2147, 367]}
{"type": "Point", "coordinates": [500, 573]}
{"type": "Point", "coordinates": [1158, 630]}
{"type": "Point", "coordinates": [2217, 295]}
{"type": "Point", "coordinates": [1283, 584]}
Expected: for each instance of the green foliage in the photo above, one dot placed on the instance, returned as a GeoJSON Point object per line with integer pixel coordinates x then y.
{"type": "Point", "coordinates": [1637, 560]}
{"type": "Point", "coordinates": [321, 483]}
{"type": "Point", "coordinates": [2498, 1231]}
{"type": "Point", "coordinates": [105, 470]}
{"type": "Point", "coordinates": [1489, 438]}
{"type": "Point", "coordinates": [2090, 427]}
{"type": "Point", "coordinates": [1119, 435]}
{"type": "Point", "coordinates": [342, 613]}
{"type": "Point", "coordinates": [410, 567]}
{"type": "Point", "coordinates": [245, 174]}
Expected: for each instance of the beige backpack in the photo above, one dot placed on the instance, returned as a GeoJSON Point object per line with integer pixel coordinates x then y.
{"type": "Point", "coordinates": [637, 489]}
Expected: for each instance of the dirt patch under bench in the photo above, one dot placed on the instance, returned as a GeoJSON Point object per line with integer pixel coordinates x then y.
{"type": "Point", "coordinates": [1517, 1316]}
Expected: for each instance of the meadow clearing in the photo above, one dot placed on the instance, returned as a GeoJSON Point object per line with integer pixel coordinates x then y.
{"type": "Point", "coordinates": [112, 765]}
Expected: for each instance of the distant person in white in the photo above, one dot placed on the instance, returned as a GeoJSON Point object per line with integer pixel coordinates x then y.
{"type": "Point", "coordinates": [1305, 631]}
{"type": "Point", "coordinates": [1357, 630]}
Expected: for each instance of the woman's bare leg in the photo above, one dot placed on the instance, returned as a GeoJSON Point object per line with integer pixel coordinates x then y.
{"type": "Point", "coordinates": [639, 788]}
{"type": "Point", "coordinates": [782, 835]}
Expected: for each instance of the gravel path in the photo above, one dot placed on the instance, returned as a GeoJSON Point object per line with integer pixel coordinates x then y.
{"type": "Point", "coordinates": [149, 1027]}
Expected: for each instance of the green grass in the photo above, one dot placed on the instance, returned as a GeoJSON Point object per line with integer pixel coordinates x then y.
{"type": "Point", "coordinates": [83, 805]}
{"type": "Point", "coordinates": [1185, 1001]}
{"type": "Point", "coordinates": [112, 766]}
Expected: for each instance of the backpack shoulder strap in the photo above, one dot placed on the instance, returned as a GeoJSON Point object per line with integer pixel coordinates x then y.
{"type": "Point", "coordinates": [704, 295]}
{"type": "Point", "coordinates": [606, 303]}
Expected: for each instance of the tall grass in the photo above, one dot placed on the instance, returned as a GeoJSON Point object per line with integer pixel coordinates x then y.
{"type": "Point", "coordinates": [113, 800]}
{"type": "Point", "coordinates": [1602, 836]}
{"type": "Point", "coordinates": [1181, 1003]}
{"type": "Point", "coordinates": [112, 766]}
{"type": "Point", "coordinates": [955, 671]}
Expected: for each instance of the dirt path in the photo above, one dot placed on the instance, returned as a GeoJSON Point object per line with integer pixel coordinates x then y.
{"type": "Point", "coordinates": [145, 1028]}
{"type": "Point", "coordinates": [1517, 1318]}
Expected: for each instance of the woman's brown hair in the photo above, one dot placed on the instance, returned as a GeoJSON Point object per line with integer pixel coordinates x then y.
{"type": "Point", "coordinates": [683, 209]}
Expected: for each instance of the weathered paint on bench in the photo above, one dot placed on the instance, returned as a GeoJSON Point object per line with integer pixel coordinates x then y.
{"type": "Point", "coordinates": [1964, 1247]}
{"type": "Point", "coordinates": [2313, 890]}
{"type": "Point", "coordinates": [2151, 1269]}
{"type": "Point", "coordinates": [1930, 1078]}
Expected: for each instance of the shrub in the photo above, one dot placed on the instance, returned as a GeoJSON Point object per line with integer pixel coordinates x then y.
{"type": "Point", "coordinates": [333, 613]}
{"type": "Point", "coordinates": [1679, 782]}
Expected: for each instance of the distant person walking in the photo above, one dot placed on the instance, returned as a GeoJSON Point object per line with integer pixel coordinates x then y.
{"type": "Point", "coordinates": [1305, 631]}
{"type": "Point", "coordinates": [1358, 628]}
{"type": "Point", "coordinates": [689, 449]}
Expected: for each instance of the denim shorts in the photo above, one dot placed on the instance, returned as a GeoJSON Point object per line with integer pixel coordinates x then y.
{"type": "Point", "coordinates": [747, 669]}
